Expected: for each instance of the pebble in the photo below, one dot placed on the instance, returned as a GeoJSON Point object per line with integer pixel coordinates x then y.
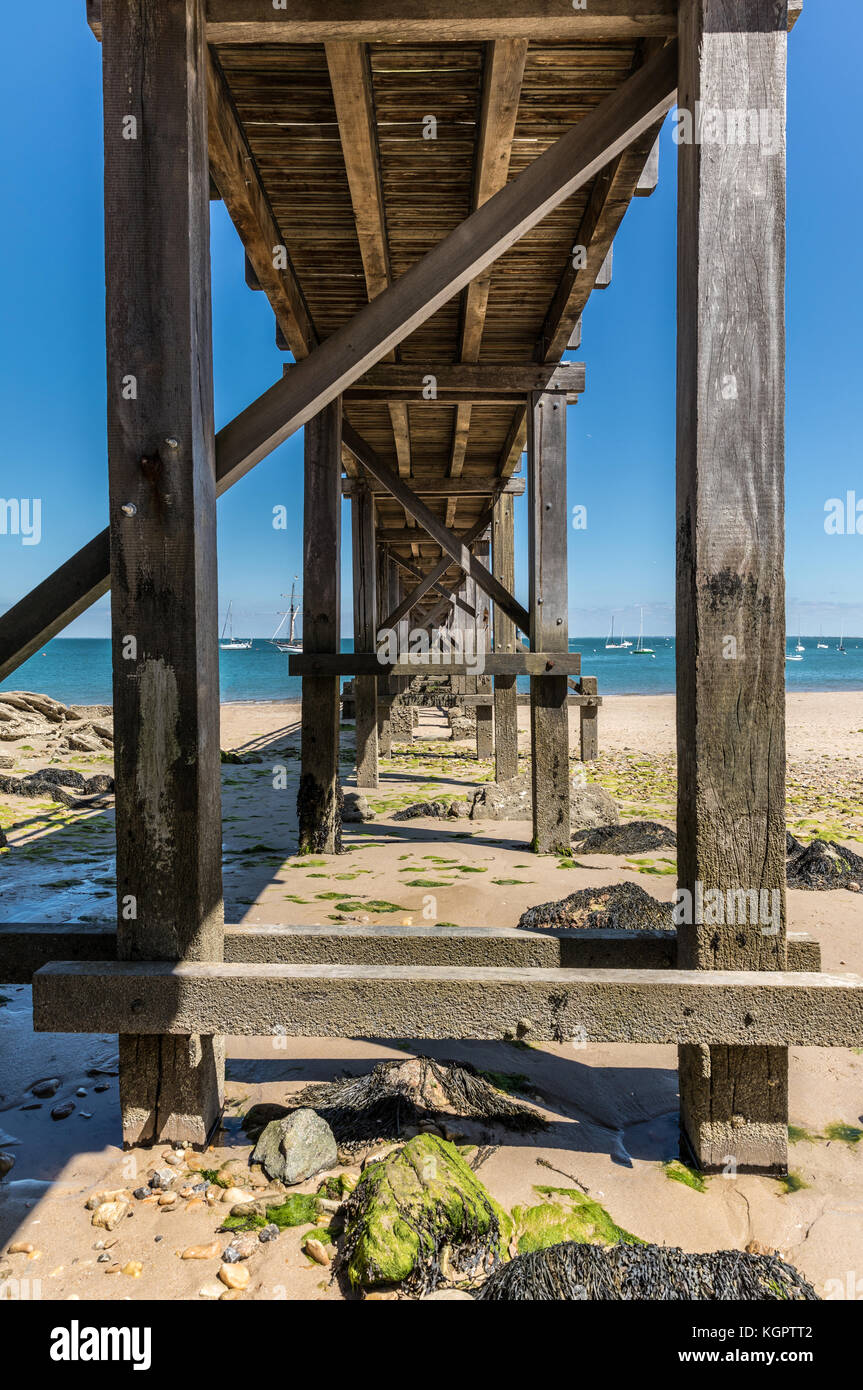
{"type": "Point", "coordinates": [109, 1214]}
{"type": "Point", "coordinates": [196, 1162]}
{"type": "Point", "coordinates": [7, 1163]}
{"type": "Point", "coordinates": [316, 1251]}
{"type": "Point", "coordinates": [62, 1112]}
{"type": "Point", "coordinates": [235, 1196]}
{"type": "Point", "coordinates": [235, 1276]}
{"type": "Point", "coordinates": [80, 1091]}
{"type": "Point", "coordinates": [47, 1088]}
{"type": "Point", "coordinates": [141, 1193]}
{"type": "Point", "coordinates": [20, 1247]}
{"type": "Point", "coordinates": [195, 1203]}
{"type": "Point", "coordinates": [173, 1158]}
{"type": "Point", "coordinates": [104, 1259]}
{"type": "Point", "coordinates": [167, 1199]}
{"type": "Point", "coordinates": [186, 1193]}
{"type": "Point", "coordinates": [213, 1290]}
{"type": "Point", "coordinates": [103, 1086]}
{"type": "Point", "coordinates": [133, 1268]}
{"type": "Point", "coordinates": [212, 1196]}
{"type": "Point", "coordinates": [34, 1105]}
{"type": "Point", "coordinates": [240, 1248]}
{"type": "Point", "coordinates": [108, 1194]}
{"type": "Point", "coordinates": [162, 1178]}
{"type": "Point", "coordinates": [201, 1252]}
{"type": "Point", "coordinates": [267, 1233]}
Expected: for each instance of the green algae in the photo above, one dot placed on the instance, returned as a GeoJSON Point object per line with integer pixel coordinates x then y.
{"type": "Point", "coordinates": [569, 1215]}
{"type": "Point", "coordinates": [846, 1134]}
{"type": "Point", "coordinates": [690, 1177]}
{"type": "Point", "coordinates": [792, 1182]}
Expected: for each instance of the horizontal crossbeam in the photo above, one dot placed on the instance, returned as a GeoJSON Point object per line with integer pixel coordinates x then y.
{"type": "Point", "coordinates": [716, 1007]}
{"type": "Point", "coordinates": [26, 947]}
{"type": "Point", "coordinates": [424, 486]}
{"type": "Point", "coordinates": [496, 380]}
{"type": "Point", "coordinates": [522, 663]}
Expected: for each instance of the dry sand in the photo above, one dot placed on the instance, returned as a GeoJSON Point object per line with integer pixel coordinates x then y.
{"type": "Point", "coordinates": [613, 1109]}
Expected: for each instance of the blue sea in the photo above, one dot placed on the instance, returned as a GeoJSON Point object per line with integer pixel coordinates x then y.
{"type": "Point", "coordinates": [77, 670]}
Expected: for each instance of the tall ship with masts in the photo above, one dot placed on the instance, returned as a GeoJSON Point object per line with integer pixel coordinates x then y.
{"type": "Point", "coordinates": [290, 643]}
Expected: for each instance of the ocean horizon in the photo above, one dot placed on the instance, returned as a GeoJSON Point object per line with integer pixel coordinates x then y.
{"type": "Point", "coordinates": [77, 670]}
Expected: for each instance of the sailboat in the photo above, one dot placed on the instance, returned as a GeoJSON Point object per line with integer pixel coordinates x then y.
{"type": "Point", "coordinates": [639, 649]}
{"type": "Point", "coordinates": [611, 645]}
{"type": "Point", "coordinates": [800, 647]}
{"type": "Point", "coordinates": [233, 644]}
{"type": "Point", "coordinates": [289, 643]}
{"type": "Point", "coordinates": [821, 644]}
{"type": "Point", "coordinates": [841, 647]}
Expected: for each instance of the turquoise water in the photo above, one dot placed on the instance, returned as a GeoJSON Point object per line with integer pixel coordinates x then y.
{"type": "Point", "coordinates": [77, 670]}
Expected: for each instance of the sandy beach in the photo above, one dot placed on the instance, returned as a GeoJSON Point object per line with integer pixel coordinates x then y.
{"type": "Point", "coordinates": [612, 1111]}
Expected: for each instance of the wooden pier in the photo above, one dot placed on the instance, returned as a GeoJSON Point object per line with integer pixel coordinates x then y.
{"type": "Point", "coordinates": [427, 192]}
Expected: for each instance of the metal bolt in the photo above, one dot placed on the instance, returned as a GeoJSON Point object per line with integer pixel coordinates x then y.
{"type": "Point", "coordinates": [172, 443]}
{"type": "Point", "coordinates": [128, 509]}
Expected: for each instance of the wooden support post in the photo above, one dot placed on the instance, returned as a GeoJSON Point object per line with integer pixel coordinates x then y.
{"type": "Point", "coordinates": [505, 693]}
{"type": "Point", "coordinates": [319, 799]}
{"type": "Point", "coordinates": [385, 737]}
{"type": "Point", "coordinates": [482, 628]}
{"type": "Point", "coordinates": [162, 484]}
{"type": "Point", "coordinates": [730, 587]}
{"type": "Point", "coordinates": [589, 725]}
{"type": "Point", "coordinates": [549, 623]}
{"type": "Point", "coordinates": [365, 605]}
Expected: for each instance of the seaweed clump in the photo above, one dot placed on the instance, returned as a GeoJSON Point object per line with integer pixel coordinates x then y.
{"type": "Point", "coordinates": [823, 865]}
{"type": "Point", "coordinates": [420, 1217]}
{"type": "Point", "coordinates": [572, 1272]}
{"type": "Point", "coordinates": [398, 1095]}
{"type": "Point", "coordinates": [621, 907]}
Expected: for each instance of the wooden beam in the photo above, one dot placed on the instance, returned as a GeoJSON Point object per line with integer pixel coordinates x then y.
{"type": "Point", "coordinates": [438, 21]}
{"type": "Point", "coordinates": [439, 533]}
{"type": "Point", "coordinates": [356, 347]}
{"type": "Point", "coordinates": [446, 1001]}
{"type": "Point", "coordinates": [448, 596]}
{"type": "Point", "coordinates": [319, 798]}
{"type": "Point", "coordinates": [505, 640]}
{"type": "Point", "coordinates": [162, 497]}
{"type": "Point", "coordinates": [490, 379]}
{"type": "Point", "coordinates": [548, 665]}
{"type": "Point", "coordinates": [730, 547]}
{"type": "Point", "coordinates": [424, 485]}
{"type": "Point", "coordinates": [236, 175]}
{"type": "Point", "coordinates": [365, 630]}
{"type": "Point", "coordinates": [549, 622]}
{"type": "Point", "coordinates": [437, 572]}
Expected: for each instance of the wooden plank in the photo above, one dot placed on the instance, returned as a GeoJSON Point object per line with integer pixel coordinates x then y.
{"type": "Point", "coordinates": [238, 180]}
{"type": "Point", "coordinates": [162, 497]}
{"type": "Point", "coordinates": [365, 630]}
{"type": "Point", "coordinates": [549, 622]}
{"type": "Point", "coordinates": [432, 524]}
{"type": "Point", "coordinates": [435, 573]}
{"type": "Point", "coordinates": [446, 594]}
{"type": "Point", "coordinates": [505, 640]}
{"type": "Point", "coordinates": [648, 179]}
{"type": "Point", "coordinates": [319, 798]}
{"type": "Point", "coordinates": [730, 530]}
{"type": "Point", "coordinates": [746, 1007]}
{"type": "Point", "coordinates": [355, 347]}
{"type": "Point", "coordinates": [549, 665]}
{"type": "Point", "coordinates": [67, 592]}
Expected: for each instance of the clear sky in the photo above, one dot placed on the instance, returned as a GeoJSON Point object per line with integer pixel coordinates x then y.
{"type": "Point", "coordinates": [621, 434]}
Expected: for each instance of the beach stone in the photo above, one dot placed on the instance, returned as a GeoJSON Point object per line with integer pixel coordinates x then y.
{"type": "Point", "coordinates": [268, 1233]}
{"type": "Point", "coordinates": [6, 760]}
{"type": "Point", "coordinates": [7, 1163]}
{"type": "Point", "coordinates": [62, 1112]}
{"type": "Point", "coordinates": [109, 1214]}
{"type": "Point", "coordinates": [161, 1178]}
{"type": "Point", "coordinates": [633, 837]}
{"type": "Point", "coordinates": [240, 1248]}
{"type": "Point", "coordinates": [233, 1172]}
{"type": "Point", "coordinates": [116, 1194]}
{"type": "Point", "coordinates": [356, 807]}
{"type": "Point", "coordinates": [510, 800]}
{"type": "Point", "coordinates": [236, 1196]}
{"type": "Point", "coordinates": [295, 1148]}
{"type": "Point", "coordinates": [47, 1088]}
{"type": "Point", "coordinates": [201, 1252]}
{"type": "Point", "coordinates": [211, 1290]}
{"type": "Point", "coordinates": [622, 907]}
{"type": "Point", "coordinates": [235, 1276]}
{"type": "Point", "coordinates": [448, 1296]}
{"type": "Point", "coordinates": [257, 1117]}
{"type": "Point", "coordinates": [590, 806]}
{"type": "Point", "coordinates": [422, 808]}
{"type": "Point", "coordinates": [462, 728]}
{"type": "Point", "coordinates": [316, 1251]}
{"type": "Point", "coordinates": [822, 866]}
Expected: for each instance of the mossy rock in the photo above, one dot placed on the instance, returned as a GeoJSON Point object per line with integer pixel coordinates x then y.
{"type": "Point", "coordinates": [409, 1206]}
{"type": "Point", "coordinates": [567, 1215]}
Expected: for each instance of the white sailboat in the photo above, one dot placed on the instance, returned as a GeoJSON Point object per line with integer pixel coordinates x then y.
{"type": "Point", "coordinates": [289, 643]}
{"type": "Point", "coordinates": [611, 645]}
{"type": "Point", "coordinates": [639, 649]}
{"type": "Point", "coordinates": [800, 647]}
{"type": "Point", "coordinates": [841, 647]}
{"type": "Point", "coordinates": [233, 644]}
{"type": "Point", "coordinates": [821, 644]}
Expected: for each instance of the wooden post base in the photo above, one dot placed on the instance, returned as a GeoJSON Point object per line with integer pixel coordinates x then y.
{"type": "Point", "coordinates": [484, 731]}
{"type": "Point", "coordinates": [734, 1108]}
{"type": "Point", "coordinates": [172, 1088]}
{"type": "Point", "coordinates": [319, 798]}
{"type": "Point", "coordinates": [549, 737]}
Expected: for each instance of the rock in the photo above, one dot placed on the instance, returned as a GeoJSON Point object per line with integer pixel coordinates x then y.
{"type": "Point", "coordinates": [109, 1214]}
{"type": "Point", "coordinates": [633, 837]}
{"type": "Point", "coordinates": [62, 1112]}
{"type": "Point", "coordinates": [295, 1148]}
{"type": "Point", "coordinates": [133, 1268]}
{"type": "Point", "coordinates": [167, 1199]}
{"type": "Point", "coordinates": [823, 865]}
{"type": "Point", "coordinates": [235, 1276]}
{"type": "Point", "coordinates": [174, 1159]}
{"type": "Point", "coordinates": [356, 807]}
{"type": "Point", "coordinates": [161, 1179]}
{"type": "Point", "coordinates": [406, 1209]}
{"type": "Point", "coordinates": [240, 1248]}
{"type": "Point", "coordinates": [47, 1088]}
{"type": "Point", "coordinates": [622, 907]}
{"type": "Point", "coordinates": [510, 800]}
{"type": "Point", "coordinates": [268, 1233]}
{"type": "Point", "coordinates": [20, 1247]}
{"type": "Point", "coordinates": [236, 1196]}
{"type": "Point", "coordinates": [201, 1252]}
{"type": "Point", "coordinates": [111, 1194]}
{"type": "Point", "coordinates": [257, 1117]}
{"type": "Point", "coordinates": [84, 743]}
{"type": "Point", "coordinates": [422, 808]}
{"type": "Point", "coordinates": [212, 1290]}
{"type": "Point", "coordinates": [141, 1192]}
{"type": "Point", "coordinates": [462, 728]}
{"type": "Point", "coordinates": [591, 806]}
{"type": "Point", "coordinates": [6, 760]}
{"type": "Point", "coordinates": [7, 1163]}
{"type": "Point", "coordinates": [316, 1251]}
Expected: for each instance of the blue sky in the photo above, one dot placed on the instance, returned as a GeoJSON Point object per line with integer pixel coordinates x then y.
{"type": "Point", "coordinates": [621, 434]}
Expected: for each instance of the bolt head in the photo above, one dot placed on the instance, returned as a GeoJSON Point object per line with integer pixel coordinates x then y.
{"type": "Point", "coordinates": [129, 509]}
